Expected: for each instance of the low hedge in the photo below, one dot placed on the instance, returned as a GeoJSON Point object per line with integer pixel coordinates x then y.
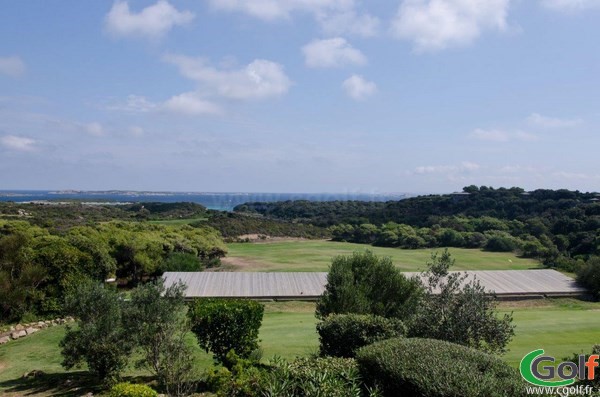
{"type": "Point", "coordinates": [341, 335]}
{"type": "Point", "coordinates": [434, 368]}
{"type": "Point", "coordinates": [131, 390]}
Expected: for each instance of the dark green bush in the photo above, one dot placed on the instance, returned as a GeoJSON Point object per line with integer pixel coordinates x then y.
{"type": "Point", "coordinates": [595, 383]}
{"type": "Point", "coordinates": [222, 325]}
{"type": "Point", "coordinates": [434, 368]}
{"type": "Point", "coordinates": [589, 276]}
{"type": "Point", "coordinates": [366, 284]}
{"type": "Point", "coordinates": [501, 242]}
{"type": "Point", "coordinates": [131, 390]}
{"type": "Point", "coordinates": [341, 335]}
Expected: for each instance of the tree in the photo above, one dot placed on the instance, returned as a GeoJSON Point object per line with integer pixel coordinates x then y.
{"type": "Point", "coordinates": [20, 278]}
{"type": "Point", "coordinates": [223, 325]}
{"type": "Point", "coordinates": [99, 339]}
{"type": "Point", "coordinates": [155, 317]}
{"type": "Point", "coordinates": [365, 284]}
{"type": "Point", "coordinates": [589, 276]}
{"type": "Point", "coordinates": [459, 310]}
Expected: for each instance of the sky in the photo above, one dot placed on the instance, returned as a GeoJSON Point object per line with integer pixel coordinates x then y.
{"type": "Point", "coordinates": [421, 96]}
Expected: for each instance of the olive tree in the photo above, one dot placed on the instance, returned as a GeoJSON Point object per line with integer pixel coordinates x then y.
{"type": "Point", "coordinates": [459, 310]}
{"type": "Point", "coordinates": [99, 339]}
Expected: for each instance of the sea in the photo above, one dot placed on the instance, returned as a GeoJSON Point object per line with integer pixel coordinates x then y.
{"type": "Point", "coordinates": [216, 201]}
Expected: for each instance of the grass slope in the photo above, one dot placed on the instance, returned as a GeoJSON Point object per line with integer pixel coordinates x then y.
{"type": "Point", "coordinates": [315, 256]}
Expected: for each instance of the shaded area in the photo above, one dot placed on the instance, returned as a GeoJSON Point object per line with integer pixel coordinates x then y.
{"type": "Point", "coordinates": [70, 384]}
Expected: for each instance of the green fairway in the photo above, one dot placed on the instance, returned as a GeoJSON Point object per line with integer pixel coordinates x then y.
{"type": "Point", "coordinates": [315, 256]}
{"type": "Point", "coordinates": [289, 330]}
{"type": "Point", "coordinates": [561, 327]}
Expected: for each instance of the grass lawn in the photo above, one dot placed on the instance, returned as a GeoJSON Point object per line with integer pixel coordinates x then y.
{"type": "Point", "coordinates": [288, 330]}
{"type": "Point", "coordinates": [561, 327]}
{"type": "Point", "coordinates": [314, 256]}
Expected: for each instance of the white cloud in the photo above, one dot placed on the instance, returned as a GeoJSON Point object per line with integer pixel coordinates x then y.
{"type": "Point", "coordinates": [258, 80]}
{"type": "Point", "coordinates": [335, 16]}
{"type": "Point", "coordinates": [438, 24]}
{"type": "Point", "coordinates": [330, 53]}
{"type": "Point", "coordinates": [12, 66]}
{"type": "Point", "coordinates": [153, 21]}
{"type": "Point", "coordinates": [464, 167]}
{"type": "Point", "coordinates": [279, 9]}
{"type": "Point", "coordinates": [571, 5]}
{"type": "Point", "coordinates": [358, 88]}
{"type": "Point", "coordinates": [350, 22]}
{"type": "Point", "coordinates": [94, 129]}
{"type": "Point", "coordinates": [493, 135]}
{"type": "Point", "coordinates": [189, 103]}
{"type": "Point", "coordinates": [18, 143]}
{"type": "Point", "coordinates": [552, 122]}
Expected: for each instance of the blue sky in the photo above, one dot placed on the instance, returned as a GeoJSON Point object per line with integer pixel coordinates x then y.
{"type": "Point", "coordinates": [299, 95]}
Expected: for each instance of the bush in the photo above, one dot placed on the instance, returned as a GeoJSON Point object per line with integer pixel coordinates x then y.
{"type": "Point", "coordinates": [459, 310]}
{"type": "Point", "coordinates": [501, 242]}
{"type": "Point", "coordinates": [366, 284]}
{"type": "Point", "coordinates": [589, 276]}
{"type": "Point", "coordinates": [341, 335]}
{"type": "Point", "coordinates": [595, 383]}
{"type": "Point", "coordinates": [320, 377]}
{"type": "Point", "coordinates": [245, 378]}
{"type": "Point", "coordinates": [131, 390]}
{"type": "Point", "coordinates": [222, 325]}
{"type": "Point", "coordinates": [434, 368]}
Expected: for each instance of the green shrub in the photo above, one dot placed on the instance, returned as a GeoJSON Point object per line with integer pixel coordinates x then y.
{"type": "Point", "coordinates": [315, 377]}
{"type": "Point", "coordinates": [245, 378]}
{"type": "Point", "coordinates": [222, 325]}
{"type": "Point", "coordinates": [595, 383]}
{"type": "Point", "coordinates": [366, 284]}
{"type": "Point", "coordinates": [131, 390]}
{"type": "Point", "coordinates": [341, 335]}
{"type": "Point", "coordinates": [434, 368]}
{"type": "Point", "coordinates": [589, 276]}
{"type": "Point", "coordinates": [501, 242]}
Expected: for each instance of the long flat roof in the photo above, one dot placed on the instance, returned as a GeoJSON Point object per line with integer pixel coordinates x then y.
{"type": "Point", "coordinates": [311, 285]}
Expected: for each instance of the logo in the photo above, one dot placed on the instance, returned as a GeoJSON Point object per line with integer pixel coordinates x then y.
{"type": "Point", "coordinates": [541, 370]}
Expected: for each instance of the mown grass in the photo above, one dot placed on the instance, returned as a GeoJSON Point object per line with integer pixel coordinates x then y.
{"type": "Point", "coordinates": [315, 256]}
{"type": "Point", "coordinates": [561, 327]}
{"type": "Point", "coordinates": [288, 331]}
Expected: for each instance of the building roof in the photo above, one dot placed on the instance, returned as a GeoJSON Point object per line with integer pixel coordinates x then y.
{"type": "Point", "coordinates": [311, 285]}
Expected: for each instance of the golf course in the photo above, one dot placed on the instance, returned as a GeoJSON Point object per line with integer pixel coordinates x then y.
{"type": "Point", "coordinates": [560, 326]}
{"type": "Point", "coordinates": [315, 256]}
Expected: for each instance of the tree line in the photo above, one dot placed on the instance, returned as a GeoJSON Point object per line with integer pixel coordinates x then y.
{"type": "Point", "coordinates": [561, 228]}
{"type": "Point", "coordinates": [40, 266]}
